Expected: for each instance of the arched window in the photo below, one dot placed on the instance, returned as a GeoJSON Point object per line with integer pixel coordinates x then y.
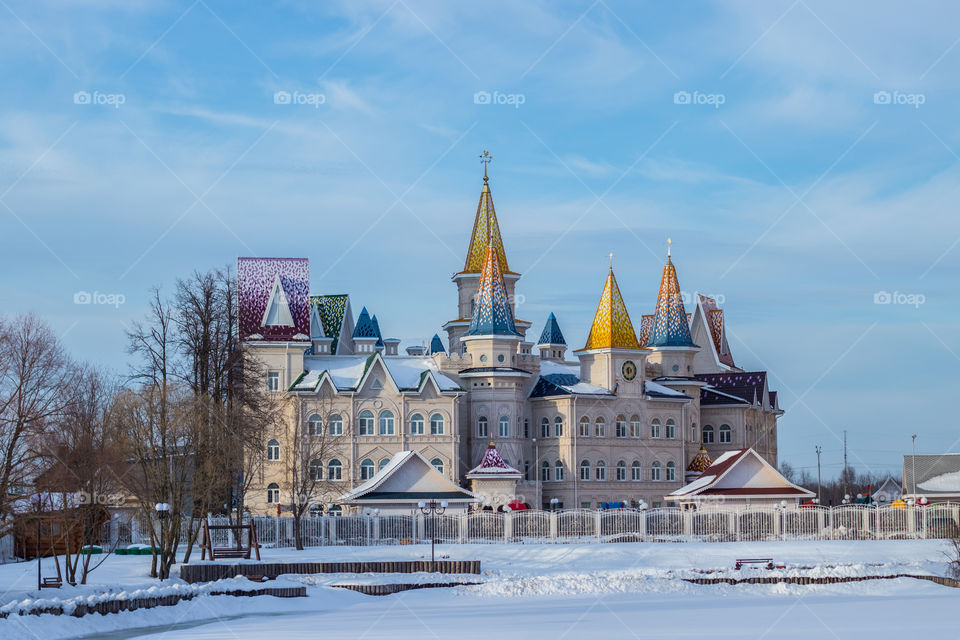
{"type": "Point", "coordinates": [636, 474]}
{"type": "Point", "coordinates": [655, 472]}
{"type": "Point", "coordinates": [621, 471]}
{"type": "Point", "coordinates": [671, 472]}
{"type": "Point", "coordinates": [386, 423]}
{"type": "Point", "coordinates": [334, 470]}
{"type": "Point", "coordinates": [436, 425]}
{"type": "Point", "coordinates": [437, 464]}
{"type": "Point", "coordinates": [600, 430]}
{"type": "Point", "coordinates": [545, 471]}
{"type": "Point", "coordinates": [655, 429]}
{"type": "Point", "coordinates": [383, 462]}
{"type": "Point", "coordinates": [545, 428]}
{"type": "Point", "coordinates": [726, 435]}
{"type": "Point", "coordinates": [671, 429]}
{"type": "Point", "coordinates": [366, 469]}
{"type": "Point", "coordinates": [585, 470]}
{"type": "Point", "coordinates": [315, 425]}
{"type": "Point", "coordinates": [707, 434]}
{"type": "Point", "coordinates": [558, 471]}
{"type": "Point", "coordinates": [335, 425]}
{"type": "Point", "coordinates": [634, 426]}
{"type": "Point", "coordinates": [316, 470]}
{"type": "Point", "coordinates": [601, 470]}
{"type": "Point", "coordinates": [482, 431]}
{"type": "Point", "coordinates": [273, 493]}
{"type": "Point", "coordinates": [558, 427]}
{"type": "Point", "coordinates": [416, 425]}
{"type": "Point", "coordinates": [621, 427]}
{"type": "Point", "coordinates": [273, 450]}
{"type": "Point", "coordinates": [504, 426]}
{"type": "Point", "coordinates": [366, 423]}
{"type": "Point", "coordinates": [584, 427]}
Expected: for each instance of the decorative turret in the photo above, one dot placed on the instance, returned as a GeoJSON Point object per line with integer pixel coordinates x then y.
{"type": "Point", "coordinates": [552, 344]}
{"type": "Point", "coordinates": [319, 340]}
{"type": "Point", "coordinates": [700, 463]}
{"type": "Point", "coordinates": [376, 327]}
{"type": "Point", "coordinates": [493, 314]}
{"type": "Point", "coordinates": [365, 335]}
{"type": "Point", "coordinates": [612, 357]}
{"type": "Point", "coordinates": [493, 479]}
{"type": "Point", "coordinates": [670, 343]}
{"type": "Point", "coordinates": [436, 345]}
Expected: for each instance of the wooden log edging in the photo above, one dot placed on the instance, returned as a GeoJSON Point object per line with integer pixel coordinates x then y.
{"type": "Point", "coordinates": [807, 580]}
{"type": "Point", "coordinates": [387, 589]}
{"type": "Point", "coordinates": [216, 571]}
{"type": "Point", "coordinates": [132, 604]}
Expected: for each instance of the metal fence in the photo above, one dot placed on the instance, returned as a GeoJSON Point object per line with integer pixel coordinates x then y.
{"type": "Point", "coordinates": [848, 522]}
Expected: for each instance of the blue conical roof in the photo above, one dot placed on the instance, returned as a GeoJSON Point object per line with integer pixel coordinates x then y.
{"type": "Point", "coordinates": [376, 327]}
{"type": "Point", "coordinates": [670, 326]}
{"type": "Point", "coordinates": [493, 314]}
{"type": "Point", "coordinates": [551, 332]}
{"type": "Point", "coordinates": [365, 327]}
{"type": "Point", "coordinates": [436, 345]}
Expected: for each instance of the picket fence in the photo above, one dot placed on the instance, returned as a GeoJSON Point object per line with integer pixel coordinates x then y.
{"type": "Point", "coordinates": [848, 522]}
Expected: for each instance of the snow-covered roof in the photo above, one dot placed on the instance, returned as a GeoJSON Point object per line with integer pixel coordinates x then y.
{"type": "Point", "coordinates": [652, 387]}
{"type": "Point", "coordinates": [935, 473]}
{"type": "Point", "coordinates": [408, 477]}
{"type": "Point", "coordinates": [347, 372]}
{"type": "Point", "coordinates": [563, 378]}
{"type": "Point", "coordinates": [493, 465]}
{"type": "Point", "coordinates": [741, 473]}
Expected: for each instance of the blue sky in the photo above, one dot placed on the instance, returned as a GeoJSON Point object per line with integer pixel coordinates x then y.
{"type": "Point", "coordinates": [814, 166]}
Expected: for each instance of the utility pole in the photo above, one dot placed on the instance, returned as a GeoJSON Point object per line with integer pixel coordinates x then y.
{"type": "Point", "coordinates": [819, 450]}
{"type": "Point", "coordinates": [845, 476]}
{"type": "Point", "coordinates": [913, 461]}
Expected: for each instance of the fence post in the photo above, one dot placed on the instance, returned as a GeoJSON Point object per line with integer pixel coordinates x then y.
{"type": "Point", "coordinates": [420, 527]}
{"type": "Point", "coordinates": [462, 526]}
{"type": "Point", "coordinates": [643, 525]}
{"type": "Point", "coordinates": [736, 524]}
{"type": "Point", "coordinates": [507, 526]}
{"type": "Point", "coordinates": [686, 519]}
{"type": "Point", "coordinates": [830, 521]}
{"type": "Point", "coordinates": [597, 519]}
{"type": "Point", "coordinates": [376, 530]}
{"type": "Point", "coordinates": [554, 529]}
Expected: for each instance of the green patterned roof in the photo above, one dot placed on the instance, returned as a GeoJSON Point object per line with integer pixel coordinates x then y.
{"type": "Point", "coordinates": [331, 309]}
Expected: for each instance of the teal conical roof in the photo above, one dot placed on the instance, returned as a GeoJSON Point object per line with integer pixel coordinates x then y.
{"type": "Point", "coordinates": [551, 332]}
{"type": "Point", "coordinates": [670, 326]}
{"type": "Point", "coordinates": [436, 345]}
{"type": "Point", "coordinates": [365, 327]}
{"type": "Point", "coordinates": [492, 314]}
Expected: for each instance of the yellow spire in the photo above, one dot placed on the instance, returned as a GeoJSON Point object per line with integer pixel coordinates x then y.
{"type": "Point", "coordinates": [612, 328]}
{"type": "Point", "coordinates": [486, 230]}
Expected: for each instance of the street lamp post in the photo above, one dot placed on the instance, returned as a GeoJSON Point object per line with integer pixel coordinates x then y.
{"type": "Point", "coordinates": [536, 469]}
{"type": "Point", "coordinates": [553, 503]}
{"type": "Point", "coordinates": [163, 512]}
{"type": "Point", "coordinates": [432, 508]}
{"type": "Point", "coordinates": [913, 461]}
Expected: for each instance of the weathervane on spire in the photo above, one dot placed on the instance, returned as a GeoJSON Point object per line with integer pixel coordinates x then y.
{"type": "Point", "coordinates": [485, 160]}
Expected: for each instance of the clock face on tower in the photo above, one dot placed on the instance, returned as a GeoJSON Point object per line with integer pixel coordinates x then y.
{"type": "Point", "coordinates": [629, 370]}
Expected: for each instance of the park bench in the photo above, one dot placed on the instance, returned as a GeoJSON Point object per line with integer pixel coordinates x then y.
{"type": "Point", "coordinates": [768, 562]}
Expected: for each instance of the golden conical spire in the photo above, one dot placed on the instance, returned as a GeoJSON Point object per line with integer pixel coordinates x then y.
{"type": "Point", "coordinates": [486, 230]}
{"type": "Point", "coordinates": [612, 328]}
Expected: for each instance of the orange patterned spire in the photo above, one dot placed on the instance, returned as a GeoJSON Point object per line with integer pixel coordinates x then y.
{"type": "Point", "coordinates": [612, 328]}
{"type": "Point", "coordinates": [486, 231]}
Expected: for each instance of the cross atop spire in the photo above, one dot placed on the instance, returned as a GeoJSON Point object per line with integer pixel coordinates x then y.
{"type": "Point", "coordinates": [486, 229]}
{"type": "Point", "coordinates": [670, 325]}
{"type": "Point", "coordinates": [612, 328]}
{"type": "Point", "coordinates": [493, 314]}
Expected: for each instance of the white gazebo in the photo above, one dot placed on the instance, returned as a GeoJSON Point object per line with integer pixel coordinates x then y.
{"type": "Point", "coordinates": [406, 481]}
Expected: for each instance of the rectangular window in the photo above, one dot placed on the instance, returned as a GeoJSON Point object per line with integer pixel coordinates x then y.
{"type": "Point", "coordinates": [504, 427]}
{"type": "Point", "coordinates": [273, 381]}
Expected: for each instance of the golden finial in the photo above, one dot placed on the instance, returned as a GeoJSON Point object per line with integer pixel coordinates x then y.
{"type": "Point", "coordinates": [485, 160]}
{"type": "Point", "coordinates": [668, 248]}
{"type": "Point", "coordinates": [611, 262]}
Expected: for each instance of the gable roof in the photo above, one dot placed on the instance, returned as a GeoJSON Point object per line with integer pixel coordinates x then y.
{"type": "Point", "coordinates": [562, 379]}
{"type": "Point", "coordinates": [551, 332]}
{"type": "Point", "coordinates": [347, 373]}
{"type": "Point", "coordinates": [256, 282]}
{"type": "Point", "coordinates": [407, 477]}
{"type": "Point", "coordinates": [742, 473]}
{"type": "Point", "coordinates": [713, 319]}
{"type": "Point", "coordinates": [735, 387]}
{"type": "Point", "coordinates": [936, 474]}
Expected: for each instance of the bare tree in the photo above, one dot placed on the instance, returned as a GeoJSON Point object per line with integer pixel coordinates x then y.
{"type": "Point", "coordinates": [312, 443]}
{"type": "Point", "coordinates": [35, 382]}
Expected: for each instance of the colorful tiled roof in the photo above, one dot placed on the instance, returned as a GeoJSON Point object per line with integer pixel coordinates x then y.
{"type": "Point", "coordinates": [612, 328]}
{"type": "Point", "coordinates": [365, 327]}
{"type": "Point", "coordinates": [701, 462]}
{"type": "Point", "coordinates": [332, 310]}
{"type": "Point", "coordinates": [255, 280]}
{"type": "Point", "coordinates": [486, 231]}
{"type": "Point", "coordinates": [726, 388]}
{"type": "Point", "coordinates": [376, 327]}
{"type": "Point", "coordinates": [670, 326]}
{"type": "Point", "coordinates": [714, 318]}
{"type": "Point", "coordinates": [646, 323]}
{"type": "Point", "coordinates": [493, 314]}
{"type": "Point", "coordinates": [493, 463]}
{"type": "Point", "coordinates": [436, 345]}
{"type": "Point", "coordinates": [551, 332]}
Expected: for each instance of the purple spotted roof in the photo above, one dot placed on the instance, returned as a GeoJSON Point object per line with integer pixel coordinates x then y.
{"type": "Point", "coordinates": [748, 385]}
{"type": "Point", "coordinates": [255, 277]}
{"type": "Point", "coordinates": [494, 464]}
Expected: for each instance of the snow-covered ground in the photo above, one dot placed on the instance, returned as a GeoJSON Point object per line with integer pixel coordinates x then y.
{"type": "Point", "coordinates": [557, 591]}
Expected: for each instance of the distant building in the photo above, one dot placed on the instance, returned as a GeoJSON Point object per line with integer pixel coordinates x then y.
{"type": "Point", "coordinates": [935, 477]}
{"type": "Point", "coordinates": [621, 421]}
{"type": "Point", "coordinates": [887, 492]}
